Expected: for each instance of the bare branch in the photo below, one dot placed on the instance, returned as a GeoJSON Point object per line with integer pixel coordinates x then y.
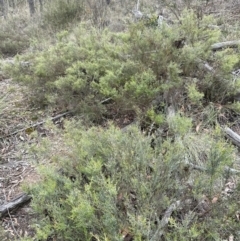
{"type": "Point", "coordinates": [165, 220]}
{"type": "Point", "coordinates": [233, 136]}
{"type": "Point", "coordinates": [228, 44]}
{"type": "Point", "coordinates": [14, 204]}
{"type": "Point", "coordinates": [37, 124]}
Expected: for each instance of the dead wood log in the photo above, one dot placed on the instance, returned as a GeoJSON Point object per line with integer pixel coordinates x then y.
{"type": "Point", "coordinates": [232, 136]}
{"type": "Point", "coordinates": [231, 170]}
{"type": "Point", "coordinates": [227, 44]}
{"type": "Point", "coordinates": [14, 204]}
{"type": "Point", "coordinates": [173, 207]}
{"type": "Point", "coordinates": [203, 169]}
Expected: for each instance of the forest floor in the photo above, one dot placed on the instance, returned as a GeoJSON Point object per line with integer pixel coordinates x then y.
{"type": "Point", "coordinates": [16, 163]}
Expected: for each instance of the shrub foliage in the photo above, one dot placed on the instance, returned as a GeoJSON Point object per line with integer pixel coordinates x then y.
{"type": "Point", "coordinates": [14, 36]}
{"type": "Point", "coordinates": [111, 184]}
{"type": "Point", "coordinates": [132, 68]}
{"type": "Point", "coordinates": [59, 14]}
{"type": "Point", "coordinates": [107, 184]}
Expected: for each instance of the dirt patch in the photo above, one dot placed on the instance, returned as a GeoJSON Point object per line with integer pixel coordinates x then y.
{"type": "Point", "coordinates": [16, 163]}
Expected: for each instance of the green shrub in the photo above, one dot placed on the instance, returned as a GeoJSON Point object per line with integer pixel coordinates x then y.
{"type": "Point", "coordinates": [194, 95]}
{"type": "Point", "coordinates": [58, 14]}
{"type": "Point", "coordinates": [15, 35]}
{"type": "Point", "coordinates": [132, 68]}
{"type": "Point", "coordinates": [103, 183]}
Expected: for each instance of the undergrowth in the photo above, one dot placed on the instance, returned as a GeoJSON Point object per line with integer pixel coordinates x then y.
{"type": "Point", "coordinates": [133, 69]}
{"type": "Point", "coordinates": [105, 184]}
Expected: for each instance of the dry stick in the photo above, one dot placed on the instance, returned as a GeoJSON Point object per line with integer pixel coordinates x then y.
{"type": "Point", "coordinates": [165, 220]}
{"type": "Point", "coordinates": [52, 119]}
{"type": "Point", "coordinates": [177, 205]}
{"type": "Point", "coordinates": [13, 225]}
{"type": "Point", "coordinates": [35, 125]}
{"type": "Point", "coordinates": [227, 44]}
{"type": "Point", "coordinates": [233, 136]}
{"type": "Point", "coordinates": [14, 204]}
{"type": "Point", "coordinates": [203, 169]}
{"type": "Point", "coordinates": [106, 100]}
{"type": "Point", "coordinates": [231, 170]}
{"type": "Point", "coordinates": [214, 47]}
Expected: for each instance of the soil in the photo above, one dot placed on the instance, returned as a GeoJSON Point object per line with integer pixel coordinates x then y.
{"type": "Point", "coordinates": [16, 163]}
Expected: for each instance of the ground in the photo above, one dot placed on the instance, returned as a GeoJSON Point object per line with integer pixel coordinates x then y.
{"type": "Point", "coordinates": [16, 164]}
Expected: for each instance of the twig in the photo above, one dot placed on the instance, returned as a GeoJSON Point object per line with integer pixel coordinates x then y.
{"type": "Point", "coordinates": [19, 174]}
{"type": "Point", "coordinates": [227, 44]}
{"type": "Point", "coordinates": [105, 101]}
{"type": "Point", "coordinates": [35, 125]}
{"type": "Point", "coordinates": [13, 225]}
{"type": "Point", "coordinates": [203, 169]}
{"type": "Point", "coordinates": [16, 184]}
{"type": "Point", "coordinates": [165, 219]}
{"type": "Point", "coordinates": [233, 136]}
{"type": "Point", "coordinates": [231, 170]}
{"type": "Point", "coordinates": [196, 167]}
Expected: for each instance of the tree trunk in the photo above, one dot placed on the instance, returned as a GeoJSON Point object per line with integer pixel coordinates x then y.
{"type": "Point", "coordinates": [31, 7]}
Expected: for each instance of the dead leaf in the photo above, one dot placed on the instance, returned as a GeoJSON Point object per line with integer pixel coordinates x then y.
{"type": "Point", "coordinates": [198, 127]}
{"type": "Point", "coordinates": [215, 199]}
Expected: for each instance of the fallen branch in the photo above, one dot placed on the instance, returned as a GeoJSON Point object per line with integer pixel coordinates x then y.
{"type": "Point", "coordinates": [165, 220]}
{"type": "Point", "coordinates": [196, 167]}
{"type": "Point", "coordinates": [106, 101]}
{"type": "Point", "coordinates": [37, 124]}
{"type": "Point", "coordinates": [228, 44]}
{"type": "Point", "coordinates": [14, 204]}
{"type": "Point", "coordinates": [231, 170]}
{"type": "Point", "coordinates": [13, 227]}
{"type": "Point", "coordinates": [233, 136]}
{"type": "Point", "coordinates": [203, 169]}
